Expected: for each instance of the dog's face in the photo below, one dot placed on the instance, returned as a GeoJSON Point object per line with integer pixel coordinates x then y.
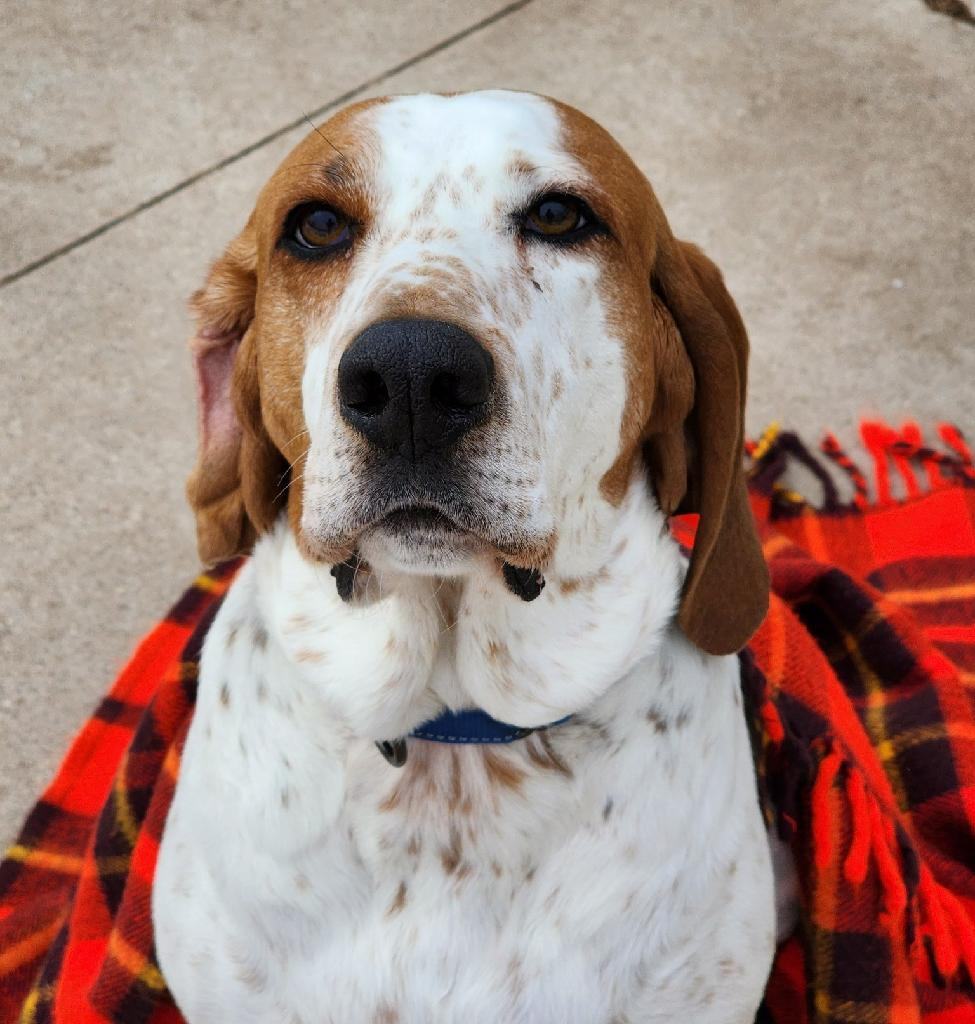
{"type": "Point", "coordinates": [448, 338]}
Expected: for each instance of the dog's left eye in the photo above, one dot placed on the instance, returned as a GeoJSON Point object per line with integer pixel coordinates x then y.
{"type": "Point", "coordinates": [316, 229]}
{"type": "Point", "coordinates": [557, 217]}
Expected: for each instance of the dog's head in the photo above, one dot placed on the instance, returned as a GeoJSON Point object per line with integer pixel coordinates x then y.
{"type": "Point", "coordinates": [451, 334]}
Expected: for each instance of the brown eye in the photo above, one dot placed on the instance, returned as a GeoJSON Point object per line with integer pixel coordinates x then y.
{"type": "Point", "coordinates": [556, 216]}
{"type": "Point", "coordinates": [316, 229]}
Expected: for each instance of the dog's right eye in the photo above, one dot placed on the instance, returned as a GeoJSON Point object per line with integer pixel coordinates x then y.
{"type": "Point", "coordinates": [315, 230]}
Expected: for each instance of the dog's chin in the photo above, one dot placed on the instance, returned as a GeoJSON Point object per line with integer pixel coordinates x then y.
{"type": "Point", "coordinates": [422, 541]}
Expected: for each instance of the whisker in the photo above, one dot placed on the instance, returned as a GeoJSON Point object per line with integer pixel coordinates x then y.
{"type": "Point", "coordinates": [295, 438]}
{"type": "Point", "coordinates": [291, 480]}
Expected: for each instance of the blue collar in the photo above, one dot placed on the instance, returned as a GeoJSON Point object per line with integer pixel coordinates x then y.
{"type": "Point", "coordinates": [471, 726]}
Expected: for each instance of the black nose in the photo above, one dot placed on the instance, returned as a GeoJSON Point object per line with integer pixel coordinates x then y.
{"type": "Point", "coordinates": [415, 386]}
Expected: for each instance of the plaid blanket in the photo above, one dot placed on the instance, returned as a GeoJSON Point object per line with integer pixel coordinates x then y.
{"type": "Point", "coordinates": [861, 692]}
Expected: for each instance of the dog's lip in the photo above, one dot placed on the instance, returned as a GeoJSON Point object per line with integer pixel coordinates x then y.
{"type": "Point", "coordinates": [418, 517]}
{"type": "Point", "coordinates": [426, 516]}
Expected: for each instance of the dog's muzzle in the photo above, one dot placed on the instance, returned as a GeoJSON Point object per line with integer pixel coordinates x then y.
{"type": "Point", "coordinates": [413, 388]}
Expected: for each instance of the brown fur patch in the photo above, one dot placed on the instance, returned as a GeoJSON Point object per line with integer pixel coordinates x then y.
{"type": "Point", "coordinates": [451, 854]}
{"type": "Point", "coordinates": [502, 772]}
{"type": "Point", "coordinates": [583, 584]}
{"type": "Point", "coordinates": [543, 754]}
{"type": "Point", "coordinates": [399, 901]}
{"type": "Point", "coordinates": [309, 656]}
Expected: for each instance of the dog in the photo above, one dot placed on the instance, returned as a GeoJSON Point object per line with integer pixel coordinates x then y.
{"type": "Point", "coordinates": [469, 743]}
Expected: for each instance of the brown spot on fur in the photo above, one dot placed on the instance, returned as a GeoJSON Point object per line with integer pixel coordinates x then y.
{"type": "Point", "coordinates": [501, 772]}
{"type": "Point", "coordinates": [386, 1014]}
{"type": "Point", "coordinates": [225, 695]}
{"type": "Point", "coordinates": [450, 855]}
{"type": "Point", "coordinates": [543, 754]}
{"type": "Point", "coordinates": [601, 731]}
{"type": "Point", "coordinates": [392, 799]}
{"type": "Point", "coordinates": [309, 656]}
{"type": "Point", "coordinates": [584, 584]}
{"type": "Point", "coordinates": [497, 651]}
{"type": "Point", "coordinates": [728, 967]}
{"type": "Point", "coordinates": [260, 637]}
{"type": "Point", "coordinates": [659, 722]}
{"type": "Point", "coordinates": [519, 166]}
{"type": "Point", "coordinates": [538, 365]}
{"type": "Point", "coordinates": [399, 901]}
{"type": "Point", "coordinates": [252, 975]}
{"type": "Point", "coordinates": [558, 383]}
{"type": "Point", "coordinates": [456, 791]}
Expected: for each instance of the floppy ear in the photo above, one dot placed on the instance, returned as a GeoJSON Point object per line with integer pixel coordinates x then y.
{"type": "Point", "coordinates": [238, 471]}
{"type": "Point", "coordinates": [725, 595]}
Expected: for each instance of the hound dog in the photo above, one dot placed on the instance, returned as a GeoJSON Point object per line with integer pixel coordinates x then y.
{"type": "Point", "coordinates": [469, 743]}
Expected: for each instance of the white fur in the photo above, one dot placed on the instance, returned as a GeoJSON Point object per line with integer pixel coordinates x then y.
{"type": "Point", "coordinates": [616, 871]}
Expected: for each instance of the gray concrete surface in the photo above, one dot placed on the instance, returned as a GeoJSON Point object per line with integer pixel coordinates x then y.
{"type": "Point", "coordinates": [823, 154]}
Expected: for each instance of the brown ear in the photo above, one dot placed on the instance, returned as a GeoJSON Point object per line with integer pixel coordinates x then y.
{"type": "Point", "coordinates": [725, 594]}
{"type": "Point", "coordinates": [238, 471]}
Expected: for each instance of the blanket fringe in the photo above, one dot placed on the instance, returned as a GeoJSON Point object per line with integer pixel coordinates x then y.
{"type": "Point", "coordinates": [900, 454]}
{"type": "Point", "coordinates": [940, 934]}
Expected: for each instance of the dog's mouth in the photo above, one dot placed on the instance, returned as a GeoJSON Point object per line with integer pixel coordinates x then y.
{"type": "Point", "coordinates": [418, 520]}
{"type": "Point", "coordinates": [419, 538]}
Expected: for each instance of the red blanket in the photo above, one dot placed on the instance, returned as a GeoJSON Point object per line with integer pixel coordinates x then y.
{"type": "Point", "coordinates": [861, 690]}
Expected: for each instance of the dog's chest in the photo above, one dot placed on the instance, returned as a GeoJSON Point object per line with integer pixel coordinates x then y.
{"type": "Point", "coordinates": [529, 882]}
{"type": "Point", "coordinates": [569, 877]}
{"type": "Point", "coordinates": [485, 884]}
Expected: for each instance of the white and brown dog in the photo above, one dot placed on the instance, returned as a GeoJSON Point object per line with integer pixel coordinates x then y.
{"type": "Point", "coordinates": [469, 743]}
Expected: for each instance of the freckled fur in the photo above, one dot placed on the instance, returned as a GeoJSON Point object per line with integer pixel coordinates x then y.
{"type": "Point", "coordinates": [603, 870]}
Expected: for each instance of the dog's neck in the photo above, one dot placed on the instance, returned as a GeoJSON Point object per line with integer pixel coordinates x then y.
{"type": "Point", "coordinates": [387, 665]}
